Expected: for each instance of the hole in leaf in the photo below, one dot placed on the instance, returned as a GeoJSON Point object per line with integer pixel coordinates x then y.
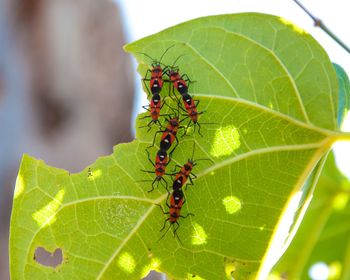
{"type": "Point", "coordinates": [154, 275]}
{"type": "Point", "coordinates": [46, 258]}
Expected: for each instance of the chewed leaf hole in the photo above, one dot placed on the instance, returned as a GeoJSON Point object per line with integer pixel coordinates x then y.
{"type": "Point", "coordinates": [45, 258]}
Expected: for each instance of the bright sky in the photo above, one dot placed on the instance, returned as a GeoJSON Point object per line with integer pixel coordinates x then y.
{"type": "Point", "coordinates": [147, 17]}
{"type": "Point", "coordinates": [143, 18]}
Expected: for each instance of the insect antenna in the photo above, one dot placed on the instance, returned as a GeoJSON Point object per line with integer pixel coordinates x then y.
{"type": "Point", "coordinates": [165, 52]}
{"type": "Point", "coordinates": [145, 54]}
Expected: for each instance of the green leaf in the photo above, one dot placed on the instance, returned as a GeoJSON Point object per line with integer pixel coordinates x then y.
{"type": "Point", "coordinates": [323, 237]}
{"type": "Point", "coordinates": [324, 241]}
{"type": "Point", "coordinates": [270, 95]}
{"type": "Point", "coordinates": [344, 93]}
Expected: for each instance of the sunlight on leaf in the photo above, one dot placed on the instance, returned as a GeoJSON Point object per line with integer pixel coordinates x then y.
{"type": "Point", "coordinates": [340, 201]}
{"type": "Point", "coordinates": [232, 204]}
{"type": "Point", "coordinates": [292, 25]}
{"type": "Point", "coordinates": [127, 262]}
{"type": "Point", "coordinates": [335, 269]}
{"type": "Point", "coordinates": [45, 216]}
{"type": "Point", "coordinates": [226, 141]}
{"type": "Point", "coordinates": [19, 186]}
{"type": "Point", "coordinates": [199, 236]}
{"type": "Point", "coordinates": [94, 174]}
{"type": "Point", "coordinates": [154, 265]}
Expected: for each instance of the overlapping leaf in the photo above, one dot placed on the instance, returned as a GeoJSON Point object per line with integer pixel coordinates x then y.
{"type": "Point", "coordinates": [344, 93]}
{"type": "Point", "coordinates": [324, 233]}
{"type": "Point", "coordinates": [270, 94]}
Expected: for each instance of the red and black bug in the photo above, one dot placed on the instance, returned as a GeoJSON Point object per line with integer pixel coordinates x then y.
{"type": "Point", "coordinates": [155, 84]}
{"type": "Point", "coordinates": [162, 160]}
{"type": "Point", "coordinates": [156, 80]}
{"type": "Point", "coordinates": [190, 105]}
{"type": "Point", "coordinates": [177, 200]}
{"type": "Point", "coordinates": [180, 180]}
{"type": "Point", "coordinates": [169, 134]}
{"type": "Point", "coordinates": [185, 172]}
{"type": "Point", "coordinates": [181, 83]}
{"type": "Point", "coordinates": [154, 108]}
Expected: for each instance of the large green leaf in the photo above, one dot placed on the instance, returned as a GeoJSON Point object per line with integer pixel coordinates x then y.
{"type": "Point", "coordinates": [270, 93]}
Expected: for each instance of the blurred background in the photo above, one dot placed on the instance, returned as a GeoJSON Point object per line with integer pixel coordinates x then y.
{"type": "Point", "coordinates": [69, 93]}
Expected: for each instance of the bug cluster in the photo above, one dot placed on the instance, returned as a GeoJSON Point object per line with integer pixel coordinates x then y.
{"type": "Point", "coordinates": [154, 80]}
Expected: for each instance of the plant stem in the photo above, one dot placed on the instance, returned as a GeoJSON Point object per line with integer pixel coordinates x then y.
{"type": "Point", "coordinates": [319, 23]}
{"type": "Point", "coordinates": [342, 136]}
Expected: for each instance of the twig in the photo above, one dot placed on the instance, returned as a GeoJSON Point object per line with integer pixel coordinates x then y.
{"type": "Point", "coordinates": [319, 23]}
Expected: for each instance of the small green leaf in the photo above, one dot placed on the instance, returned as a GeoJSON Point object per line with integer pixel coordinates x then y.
{"type": "Point", "coordinates": [269, 94]}
{"type": "Point", "coordinates": [323, 236]}
{"type": "Point", "coordinates": [344, 93]}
